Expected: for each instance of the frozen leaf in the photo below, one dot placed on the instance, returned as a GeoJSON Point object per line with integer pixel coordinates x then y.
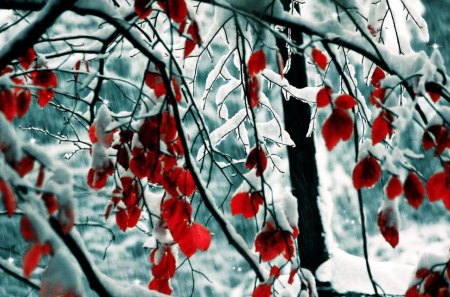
{"type": "Point", "coordinates": [388, 224]}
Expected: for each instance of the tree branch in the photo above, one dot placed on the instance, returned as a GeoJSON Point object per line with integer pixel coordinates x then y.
{"type": "Point", "coordinates": [17, 274]}
{"type": "Point", "coordinates": [31, 34]}
{"type": "Point", "coordinates": [33, 5]}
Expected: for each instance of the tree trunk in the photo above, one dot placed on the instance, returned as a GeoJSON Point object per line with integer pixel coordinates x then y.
{"type": "Point", "coordinates": [302, 164]}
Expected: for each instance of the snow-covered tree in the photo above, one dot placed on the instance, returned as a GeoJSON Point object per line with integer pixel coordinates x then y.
{"type": "Point", "coordinates": [196, 119]}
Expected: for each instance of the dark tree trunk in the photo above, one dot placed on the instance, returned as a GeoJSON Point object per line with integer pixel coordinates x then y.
{"type": "Point", "coordinates": [302, 165]}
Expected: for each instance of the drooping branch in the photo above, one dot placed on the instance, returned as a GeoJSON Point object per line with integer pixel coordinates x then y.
{"type": "Point", "coordinates": [128, 32]}
{"type": "Point", "coordinates": [377, 53]}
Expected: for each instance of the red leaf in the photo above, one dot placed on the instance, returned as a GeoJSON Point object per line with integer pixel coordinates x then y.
{"type": "Point", "coordinates": [26, 60]}
{"type": "Point", "coordinates": [66, 219]}
{"type": "Point", "coordinates": [422, 272]}
{"type": "Point", "coordinates": [196, 237]}
{"type": "Point", "coordinates": [414, 191]}
{"type": "Point", "coordinates": [27, 230]}
{"type": "Point", "coordinates": [275, 271]}
{"type": "Point", "coordinates": [191, 43]}
{"type": "Point", "coordinates": [134, 213]}
{"type": "Point", "coordinates": [256, 63]}
{"type": "Point", "coordinates": [339, 126]}
{"type": "Point", "coordinates": [264, 290]}
{"type": "Point", "coordinates": [377, 76]}
{"type": "Point", "coordinates": [176, 90]}
{"type": "Point", "coordinates": [177, 214]}
{"type": "Point", "coordinates": [8, 104]}
{"type": "Point", "coordinates": [292, 275]}
{"type": "Point", "coordinates": [412, 292]}
{"type": "Point", "coordinates": [377, 95]}
{"type": "Point", "coordinates": [346, 102]}
{"type": "Point", "coordinates": [253, 91]}
{"type": "Point", "coordinates": [46, 79]}
{"type": "Point", "coordinates": [185, 182]}
{"type": "Point", "coordinates": [149, 134]}
{"type": "Point", "coordinates": [438, 187]}
{"type": "Point", "coordinates": [97, 179]}
{"type": "Point", "coordinates": [123, 158]}
{"type": "Point", "coordinates": [272, 242]}
{"type": "Point", "coordinates": [323, 97]}
{"type": "Point", "coordinates": [381, 127]}
{"type": "Point", "coordinates": [388, 226]}
{"type": "Point", "coordinates": [31, 259]}
{"type": "Point", "coordinates": [168, 127]}
{"type": "Point", "coordinates": [24, 166]}
{"type": "Point", "coordinates": [167, 264]}
{"type": "Point", "coordinates": [256, 159]}
{"type": "Point", "coordinates": [434, 96]}
{"type": "Point", "coordinates": [50, 202]}
{"type": "Point", "coordinates": [155, 82]}
{"type": "Point", "coordinates": [142, 8]}
{"type": "Point", "coordinates": [160, 285]}
{"type": "Point", "coordinates": [366, 173]}
{"type": "Point", "coordinates": [41, 176]}
{"type": "Point", "coordinates": [9, 199]}
{"type": "Point", "coordinates": [319, 58]}
{"type": "Point", "coordinates": [280, 63]}
{"type": "Point", "coordinates": [246, 204]}
{"type": "Point", "coordinates": [93, 134]}
{"type": "Point", "coordinates": [122, 219]}
{"type": "Point", "coordinates": [23, 102]}
{"type": "Point", "coordinates": [177, 9]}
{"type": "Point", "coordinates": [139, 166]}
{"type": "Point", "coordinates": [441, 138]}
{"type": "Point", "coordinates": [394, 187]}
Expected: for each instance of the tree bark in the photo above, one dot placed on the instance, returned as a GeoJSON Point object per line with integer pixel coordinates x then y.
{"type": "Point", "coordinates": [302, 164]}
